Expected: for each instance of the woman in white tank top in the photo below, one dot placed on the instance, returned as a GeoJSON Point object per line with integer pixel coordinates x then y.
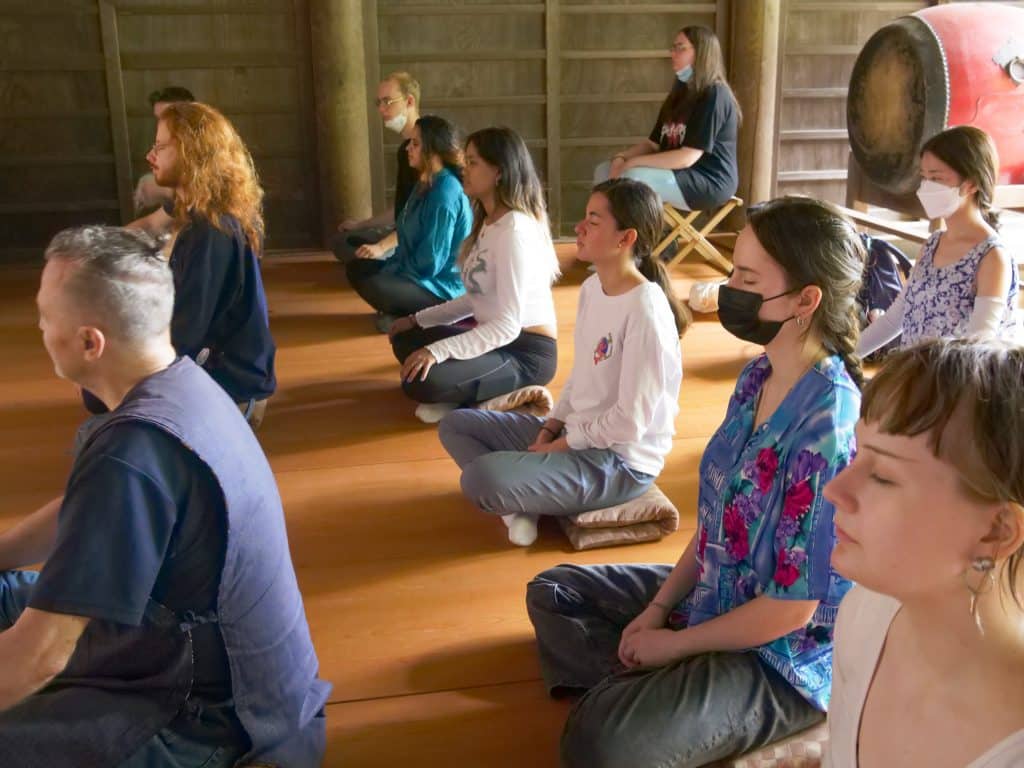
{"type": "Point", "coordinates": [928, 665]}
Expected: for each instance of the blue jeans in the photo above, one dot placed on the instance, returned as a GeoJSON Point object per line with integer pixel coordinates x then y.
{"type": "Point", "coordinates": [661, 180]}
{"type": "Point", "coordinates": [689, 713]}
{"type": "Point", "coordinates": [501, 477]}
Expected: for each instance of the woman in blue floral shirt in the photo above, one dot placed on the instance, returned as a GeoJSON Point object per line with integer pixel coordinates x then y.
{"type": "Point", "coordinates": [732, 648]}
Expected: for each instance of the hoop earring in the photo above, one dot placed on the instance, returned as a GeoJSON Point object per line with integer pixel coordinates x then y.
{"type": "Point", "coordinates": [986, 567]}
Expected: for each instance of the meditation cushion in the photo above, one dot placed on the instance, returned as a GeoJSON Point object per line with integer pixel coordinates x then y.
{"type": "Point", "coordinates": [648, 517]}
{"type": "Point", "coordinates": [533, 400]}
{"type": "Point", "coordinates": [801, 750]}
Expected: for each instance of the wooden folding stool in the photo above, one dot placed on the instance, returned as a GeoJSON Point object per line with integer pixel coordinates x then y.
{"type": "Point", "coordinates": [684, 230]}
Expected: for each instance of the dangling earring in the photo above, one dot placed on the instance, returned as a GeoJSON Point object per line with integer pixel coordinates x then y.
{"type": "Point", "coordinates": [800, 322]}
{"type": "Point", "coordinates": [986, 567]}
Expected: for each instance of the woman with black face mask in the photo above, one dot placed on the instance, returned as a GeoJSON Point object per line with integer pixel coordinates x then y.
{"type": "Point", "coordinates": [732, 648]}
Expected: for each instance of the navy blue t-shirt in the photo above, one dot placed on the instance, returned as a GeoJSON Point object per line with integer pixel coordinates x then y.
{"type": "Point", "coordinates": [220, 304]}
{"type": "Point", "coordinates": [142, 517]}
{"type": "Point", "coordinates": [709, 123]}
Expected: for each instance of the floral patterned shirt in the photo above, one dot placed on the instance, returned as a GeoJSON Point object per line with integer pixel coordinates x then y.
{"type": "Point", "coordinates": [764, 527]}
{"type": "Point", "coordinates": [940, 300]}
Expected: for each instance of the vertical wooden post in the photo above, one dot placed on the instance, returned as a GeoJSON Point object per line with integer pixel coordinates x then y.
{"type": "Point", "coordinates": [371, 41]}
{"type": "Point", "coordinates": [553, 110]}
{"type": "Point", "coordinates": [311, 186]}
{"type": "Point", "coordinates": [116, 106]}
{"type": "Point", "coordinates": [339, 87]}
{"type": "Point", "coordinates": [754, 75]}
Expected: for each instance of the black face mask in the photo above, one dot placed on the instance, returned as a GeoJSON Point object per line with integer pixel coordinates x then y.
{"type": "Point", "coordinates": [738, 310]}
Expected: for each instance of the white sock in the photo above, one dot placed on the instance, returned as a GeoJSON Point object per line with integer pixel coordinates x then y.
{"type": "Point", "coordinates": [522, 529]}
{"type": "Point", "coordinates": [431, 413]}
{"type": "Point", "coordinates": [507, 520]}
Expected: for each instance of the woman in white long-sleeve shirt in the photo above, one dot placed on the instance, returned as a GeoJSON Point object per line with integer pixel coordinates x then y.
{"type": "Point", "coordinates": [500, 335]}
{"type": "Point", "coordinates": [607, 438]}
{"type": "Point", "coordinates": [965, 283]}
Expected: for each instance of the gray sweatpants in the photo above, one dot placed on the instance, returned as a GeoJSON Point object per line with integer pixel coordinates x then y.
{"type": "Point", "coordinates": [693, 712]}
{"type": "Point", "coordinates": [501, 477]}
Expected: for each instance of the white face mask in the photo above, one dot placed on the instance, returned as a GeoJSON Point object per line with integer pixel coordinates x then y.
{"type": "Point", "coordinates": [396, 123]}
{"type": "Point", "coordinates": [938, 200]}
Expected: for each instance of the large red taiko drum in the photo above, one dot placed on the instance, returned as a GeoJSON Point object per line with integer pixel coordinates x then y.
{"type": "Point", "coordinates": [958, 64]}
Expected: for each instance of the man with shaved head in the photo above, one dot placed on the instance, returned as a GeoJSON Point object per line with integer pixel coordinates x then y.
{"type": "Point", "coordinates": [165, 627]}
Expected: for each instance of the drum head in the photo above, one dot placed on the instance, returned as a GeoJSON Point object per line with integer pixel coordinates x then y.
{"type": "Point", "coordinates": [897, 100]}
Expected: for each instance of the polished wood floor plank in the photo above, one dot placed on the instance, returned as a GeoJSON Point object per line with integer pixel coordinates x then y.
{"type": "Point", "coordinates": [415, 598]}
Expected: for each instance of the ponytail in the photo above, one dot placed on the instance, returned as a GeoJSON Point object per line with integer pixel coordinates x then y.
{"type": "Point", "coordinates": [655, 271]}
{"type": "Point", "coordinates": [636, 206]}
{"type": "Point", "coordinates": [845, 340]}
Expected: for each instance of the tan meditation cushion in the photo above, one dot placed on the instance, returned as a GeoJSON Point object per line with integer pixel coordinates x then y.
{"type": "Point", "coordinates": [648, 517]}
{"type": "Point", "coordinates": [533, 400]}
{"type": "Point", "coordinates": [802, 750]}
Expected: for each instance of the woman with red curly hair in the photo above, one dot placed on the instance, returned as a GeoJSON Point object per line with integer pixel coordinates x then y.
{"type": "Point", "coordinates": [220, 308]}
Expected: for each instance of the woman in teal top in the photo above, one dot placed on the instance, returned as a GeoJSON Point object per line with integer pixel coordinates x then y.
{"type": "Point", "coordinates": [730, 649]}
{"type": "Point", "coordinates": [431, 227]}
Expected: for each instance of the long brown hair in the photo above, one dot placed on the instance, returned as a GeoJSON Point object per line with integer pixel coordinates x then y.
{"type": "Point", "coordinates": [440, 139]}
{"type": "Point", "coordinates": [816, 245]}
{"type": "Point", "coordinates": [972, 154]}
{"type": "Point", "coordinates": [519, 187]}
{"type": "Point", "coordinates": [634, 205]}
{"type": "Point", "coordinates": [218, 177]}
{"type": "Point", "coordinates": [708, 70]}
{"type": "Point", "coordinates": [966, 395]}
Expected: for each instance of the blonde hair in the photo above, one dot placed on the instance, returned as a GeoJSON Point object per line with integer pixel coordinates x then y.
{"type": "Point", "coordinates": [217, 175]}
{"type": "Point", "coordinates": [966, 396]}
{"type": "Point", "coordinates": [407, 84]}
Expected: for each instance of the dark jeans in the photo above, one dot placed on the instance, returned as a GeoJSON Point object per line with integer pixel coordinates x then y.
{"type": "Point", "coordinates": [344, 244]}
{"type": "Point", "coordinates": [530, 359]}
{"type": "Point", "coordinates": [690, 713]}
{"type": "Point", "coordinates": [386, 292]}
{"type": "Point", "coordinates": [169, 748]}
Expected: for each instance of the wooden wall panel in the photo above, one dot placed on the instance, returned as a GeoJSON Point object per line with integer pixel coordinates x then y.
{"type": "Point", "coordinates": [62, 150]}
{"type": "Point", "coordinates": [56, 152]}
{"type": "Point", "coordinates": [242, 57]}
{"type": "Point", "coordinates": [820, 43]}
{"type": "Point", "coordinates": [577, 78]}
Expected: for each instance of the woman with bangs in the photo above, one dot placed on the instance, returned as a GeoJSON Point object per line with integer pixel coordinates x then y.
{"type": "Point", "coordinates": [216, 224]}
{"type": "Point", "coordinates": [929, 647]}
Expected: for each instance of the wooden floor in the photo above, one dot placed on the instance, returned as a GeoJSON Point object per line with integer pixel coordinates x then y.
{"type": "Point", "coordinates": [415, 599]}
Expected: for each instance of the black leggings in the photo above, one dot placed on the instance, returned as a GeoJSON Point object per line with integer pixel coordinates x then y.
{"type": "Point", "coordinates": [530, 359]}
{"type": "Point", "coordinates": [386, 292]}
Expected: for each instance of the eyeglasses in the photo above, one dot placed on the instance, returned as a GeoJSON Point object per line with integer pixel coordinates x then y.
{"type": "Point", "coordinates": [387, 102]}
{"type": "Point", "coordinates": [679, 47]}
{"type": "Point", "coordinates": [157, 147]}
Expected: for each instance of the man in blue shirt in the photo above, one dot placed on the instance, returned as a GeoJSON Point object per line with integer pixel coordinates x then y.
{"type": "Point", "coordinates": [166, 625]}
{"type": "Point", "coordinates": [220, 315]}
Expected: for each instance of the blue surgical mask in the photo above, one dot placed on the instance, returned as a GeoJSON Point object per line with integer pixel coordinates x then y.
{"type": "Point", "coordinates": [685, 74]}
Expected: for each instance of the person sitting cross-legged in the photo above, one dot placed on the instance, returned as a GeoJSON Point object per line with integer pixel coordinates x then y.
{"type": "Point", "coordinates": [165, 627]}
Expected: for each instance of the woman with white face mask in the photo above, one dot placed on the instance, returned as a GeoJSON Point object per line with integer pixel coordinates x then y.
{"type": "Point", "coordinates": [689, 159]}
{"type": "Point", "coordinates": [965, 282]}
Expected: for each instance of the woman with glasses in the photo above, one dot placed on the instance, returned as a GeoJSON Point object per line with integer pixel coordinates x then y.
{"type": "Point", "coordinates": [431, 227]}
{"type": "Point", "coordinates": [690, 157]}
{"type": "Point", "coordinates": [398, 104]}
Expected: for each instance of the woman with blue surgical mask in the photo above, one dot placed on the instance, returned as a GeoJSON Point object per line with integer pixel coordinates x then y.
{"type": "Point", "coordinates": [689, 159]}
{"type": "Point", "coordinates": [965, 281]}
